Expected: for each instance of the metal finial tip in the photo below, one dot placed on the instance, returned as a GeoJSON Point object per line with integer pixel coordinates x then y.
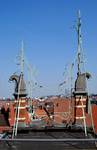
{"type": "Point", "coordinates": [22, 44]}
{"type": "Point", "coordinates": [79, 13]}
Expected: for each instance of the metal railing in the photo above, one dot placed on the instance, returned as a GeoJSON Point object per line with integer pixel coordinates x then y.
{"type": "Point", "coordinates": [49, 140]}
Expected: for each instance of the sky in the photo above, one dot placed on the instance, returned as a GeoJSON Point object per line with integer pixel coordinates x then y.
{"type": "Point", "coordinates": [50, 42]}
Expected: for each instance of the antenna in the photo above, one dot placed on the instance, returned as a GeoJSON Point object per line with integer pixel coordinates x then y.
{"type": "Point", "coordinates": [22, 57]}
{"type": "Point", "coordinates": [71, 78]}
{"type": "Point", "coordinates": [78, 28]}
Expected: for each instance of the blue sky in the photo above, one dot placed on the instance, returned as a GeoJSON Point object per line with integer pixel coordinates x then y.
{"type": "Point", "coordinates": [46, 27]}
